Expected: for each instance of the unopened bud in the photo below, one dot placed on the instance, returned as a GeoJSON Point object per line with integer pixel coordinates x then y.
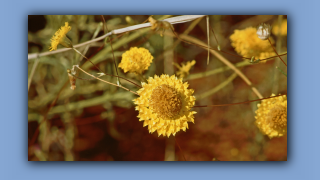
{"type": "Point", "coordinates": [264, 31]}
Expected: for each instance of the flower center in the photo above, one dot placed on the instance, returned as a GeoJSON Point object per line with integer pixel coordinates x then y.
{"type": "Point", "coordinates": [278, 117]}
{"type": "Point", "coordinates": [165, 101]}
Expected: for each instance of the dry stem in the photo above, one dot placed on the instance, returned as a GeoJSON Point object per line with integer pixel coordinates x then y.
{"type": "Point", "coordinates": [107, 81]}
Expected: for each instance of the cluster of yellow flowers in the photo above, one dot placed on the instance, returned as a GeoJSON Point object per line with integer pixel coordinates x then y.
{"type": "Point", "coordinates": [283, 28]}
{"type": "Point", "coordinates": [165, 102]}
{"type": "Point", "coordinates": [248, 44]}
{"type": "Point", "coordinates": [271, 116]}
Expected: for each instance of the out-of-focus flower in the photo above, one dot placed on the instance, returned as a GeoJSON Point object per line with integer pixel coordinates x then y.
{"type": "Point", "coordinates": [283, 28]}
{"type": "Point", "coordinates": [264, 31]}
{"type": "Point", "coordinates": [157, 25]}
{"type": "Point", "coordinates": [60, 38]}
{"type": "Point", "coordinates": [164, 105]}
{"type": "Point", "coordinates": [136, 60]}
{"type": "Point", "coordinates": [247, 44]}
{"type": "Point", "coordinates": [271, 116]}
{"type": "Point", "coordinates": [184, 68]}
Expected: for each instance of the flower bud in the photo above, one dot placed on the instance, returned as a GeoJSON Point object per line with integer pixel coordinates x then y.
{"type": "Point", "coordinates": [264, 31]}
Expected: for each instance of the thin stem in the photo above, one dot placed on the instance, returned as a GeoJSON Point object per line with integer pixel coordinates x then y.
{"type": "Point", "coordinates": [217, 88]}
{"type": "Point", "coordinates": [215, 37]}
{"type": "Point", "coordinates": [239, 102]}
{"type": "Point", "coordinates": [275, 84]}
{"type": "Point", "coordinates": [104, 72]}
{"type": "Point", "coordinates": [35, 65]}
{"type": "Point", "coordinates": [276, 52]}
{"type": "Point", "coordinates": [94, 36]}
{"type": "Point", "coordinates": [169, 152]}
{"type": "Point", "coordinates": [187, 31]}
{"type": "Point", "coordinates": [84, 79]}
{"type": "Point", "coordinates": [180, 149]}
{"type": "Point", "coordinates": [141, 78]}
{"type": "Point", "coordinates": [208, 37]}
{"type": "Point", "coordinates": [281, 71]}
{"type": "Point", "coordinates": [114, 59]}
{"type": "Point", "coordinates": [215, 71]}
{"type": "Point", "coordinates": [107, 81]}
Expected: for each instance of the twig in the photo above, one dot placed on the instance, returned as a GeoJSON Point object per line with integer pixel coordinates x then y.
{"type": "Point", "coordinates": [32, 72]}
{"type": "Point", "coordinates": [276, 51]}
{"type": "Point", "coordinates": [105, 72]}
{"type": "Point", "coordinates": [173, 20]}
{"type": "Point", "coordinates": [218, 45]}
{"type": "Point", "coordinates": [107, 81]}
{"type": "Point", "coordinates": [239, 102]}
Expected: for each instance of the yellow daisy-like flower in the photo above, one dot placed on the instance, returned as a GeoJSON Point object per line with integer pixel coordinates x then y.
{"type": "Point", "coordinates": [283, 29]}
{"type": "Point", "coordinates": [164, 105]}
{"type": "Point", "coordinates": [136, 60]}
{"type": "Point", "coordinates": [60, 37]}
{"type": "Point", "coordinates": [185, 68]}
{"type": "Point", "coordinates": [248, 44]}
{"type": "Point", "coordinates": [271, 116]}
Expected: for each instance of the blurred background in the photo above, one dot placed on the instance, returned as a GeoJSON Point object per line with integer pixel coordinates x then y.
{"type": "Point", "coordinates": [97, 121]}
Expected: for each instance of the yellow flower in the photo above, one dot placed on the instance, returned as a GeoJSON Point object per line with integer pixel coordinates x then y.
{"type": "Point", "coordinates": [60, 37]}
{"type": "Point", "coordinates": [136, 60]}
{"type": "Point", "coordinates": [283, 29]}
{"type": "Point", "coordinates": [164, 105]}
{"type": "Point", "coordinates": [185, 68]}
{"type": "Point", "coordinates": [271, 116]}
{"type": "Point", "coordinates": [248, 44]}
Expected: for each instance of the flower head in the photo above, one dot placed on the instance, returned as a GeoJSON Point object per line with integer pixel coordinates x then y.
{"type": "Point", "coordinates": [164, 105]}
{"type": "Point", "coordinates": [283, 28]}
{"type": "Point", "coordinates": [248, 44]}
{"type": "Point", "coordinates": [60, 37]}
{"type": "Point", "coordinates": [264, 31]}
{"type": "Point", "coordinates": [185, 68]}
{"type": "Point", "coordinates": [271, 116]}
{"type": "Point", "coordinates": [136, 60]}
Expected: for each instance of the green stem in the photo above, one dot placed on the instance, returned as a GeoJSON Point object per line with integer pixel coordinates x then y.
{"type": "Point", "coordinates": [217, 88]}
{"type": "Point", "coordinates": [281, 71]}
{"type": "Point", "coordinates": [215, 71]}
